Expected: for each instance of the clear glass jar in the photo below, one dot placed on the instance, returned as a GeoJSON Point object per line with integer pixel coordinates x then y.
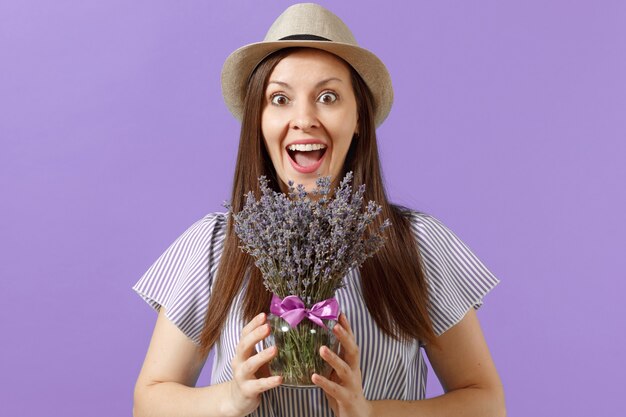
{"type": "Point", "coordinates": [298, 349]}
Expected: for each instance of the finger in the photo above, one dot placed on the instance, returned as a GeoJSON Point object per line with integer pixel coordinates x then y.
{"type": "Point", "coordinates": [245, 347]}
{"type": "Point", "coordinates": [332, 401]}
{"type": "Point", "coordinates": [331, 388]}
{"type": "Point", "coordinates": [252, 365]}
{"type": "Point", "coordinates": [349, 348]}
{"type": "Point", "coordinates": [341, 368]}
{"type": "Point", "coordinates": [343, 320]}
{"type": "Point", "coordinates": [253, 324]}
{"type": "Point", "coordinates": [254, 387]}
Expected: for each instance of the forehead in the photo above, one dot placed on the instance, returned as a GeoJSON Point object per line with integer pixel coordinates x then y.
{"type": "Point", "coordinates": [307, 63]}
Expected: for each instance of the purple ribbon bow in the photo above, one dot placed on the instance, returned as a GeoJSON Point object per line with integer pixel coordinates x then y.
{"type": "Point", "coordinates": [292, 310]}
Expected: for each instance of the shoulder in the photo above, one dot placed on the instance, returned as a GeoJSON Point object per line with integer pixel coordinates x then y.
{"type": "Point", "coordinates": [181, 278]}
{"type": "Point", "coordinates": [436, 241]}
{"type": "Point", "coordinates": [203, 241]}
{"type": "Point", "coordinates": [457, 279]}
{"type": "Point", "coordinates": [204, 233]}
{"type": "Point", "coordinates": [212, 223]}
{"type": "Point", "coordinates": [425, 227]}
{"type": "Point", "coordinates": [418, 218]}
{"type": "Point", "coordinates": [197, 248]}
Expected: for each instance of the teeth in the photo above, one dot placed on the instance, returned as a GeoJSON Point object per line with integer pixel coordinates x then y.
{"type": "Point", "coordinates": [306, 148]}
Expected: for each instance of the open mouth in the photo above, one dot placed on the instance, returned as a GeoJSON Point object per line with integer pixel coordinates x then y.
{"type": "Point", "coordinates": [306, 158]}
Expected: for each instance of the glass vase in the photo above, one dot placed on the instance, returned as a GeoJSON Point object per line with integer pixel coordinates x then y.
{"type": "Point", "coordinates": [298, 350]}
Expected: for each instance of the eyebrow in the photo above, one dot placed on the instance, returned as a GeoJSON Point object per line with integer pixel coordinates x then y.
{"type": "Point", "coordinates": [324, 81]}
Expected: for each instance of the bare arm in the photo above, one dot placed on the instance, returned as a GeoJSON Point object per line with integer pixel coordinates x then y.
{"type": "Point", "coordinates": [464, 366]}
{"type": "Point", "coordinates": [166, 383]}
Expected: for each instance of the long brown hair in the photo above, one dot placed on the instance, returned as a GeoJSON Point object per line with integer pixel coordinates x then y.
{"type": "Point", "coordinates": [394, 286]}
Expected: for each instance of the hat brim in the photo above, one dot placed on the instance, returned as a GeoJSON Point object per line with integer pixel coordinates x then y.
{"type": "Point", "coordinates": [239, 65]}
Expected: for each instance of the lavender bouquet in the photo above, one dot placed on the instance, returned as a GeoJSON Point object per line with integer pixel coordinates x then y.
{"type": "Point", "coordinates": [304, 247]}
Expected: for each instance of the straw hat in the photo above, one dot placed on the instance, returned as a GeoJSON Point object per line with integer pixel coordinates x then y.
{"type": "Point", "coordinates": [307, 25]}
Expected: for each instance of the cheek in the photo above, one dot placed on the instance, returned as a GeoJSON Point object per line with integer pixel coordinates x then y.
{"type": "Point", "coordinates": [269, 138]}
{"type": "Point", "coordinates": [344, 128]}
{"type": "Point", "coordinates": [343, 139]}
{"type": "Point", "coordinates": [270, 128]}
{"type": "Point", "coordinates": [264, 126]}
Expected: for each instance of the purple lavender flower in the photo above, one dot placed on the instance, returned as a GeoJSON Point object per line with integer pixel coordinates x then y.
{"type": "Point", "coordinates": [306, 246]}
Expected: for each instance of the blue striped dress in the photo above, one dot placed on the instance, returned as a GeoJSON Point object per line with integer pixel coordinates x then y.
{"type": "Point", "coordinates": [181, 280]}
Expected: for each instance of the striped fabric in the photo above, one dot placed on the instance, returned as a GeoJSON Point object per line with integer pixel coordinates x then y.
{"type": "Point", "coordinates": [181, 279]}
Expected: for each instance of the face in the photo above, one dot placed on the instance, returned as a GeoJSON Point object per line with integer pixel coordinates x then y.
{"type": "Point", "coordinates": [309, 116]}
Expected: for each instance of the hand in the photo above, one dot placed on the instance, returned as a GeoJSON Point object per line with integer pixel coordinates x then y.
{"type": "Point", "coordinates": [250, 369]}
{"type": "Point", "coordinates": [344, 389]}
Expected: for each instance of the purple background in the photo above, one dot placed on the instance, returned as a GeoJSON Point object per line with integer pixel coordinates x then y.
{"type": "Point", "coordinates": [509, 125]}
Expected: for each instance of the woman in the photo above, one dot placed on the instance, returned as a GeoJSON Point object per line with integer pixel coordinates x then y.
{"type": "Point", "coordinates": [310, 101]}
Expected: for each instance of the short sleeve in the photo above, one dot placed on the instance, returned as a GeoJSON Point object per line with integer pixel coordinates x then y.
{"type": "Point", "coordinates": [457, 279]}
{"type": "Point", "coordinates": [181, 278]}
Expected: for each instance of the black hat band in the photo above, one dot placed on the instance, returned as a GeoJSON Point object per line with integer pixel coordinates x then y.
{"type": "Point", "coordinates": [304, 37]}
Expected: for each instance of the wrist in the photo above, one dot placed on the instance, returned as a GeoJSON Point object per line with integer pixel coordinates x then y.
{"type": "Point", "coordinates": [373, 410]}
{"type": "Point", "coordinates": [228, 407]}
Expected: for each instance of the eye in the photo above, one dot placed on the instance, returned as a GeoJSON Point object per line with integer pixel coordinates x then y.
{"type": "Point", "coordinates": [279, 99]}
{"type": "Point", "coordinates": [328, 97]}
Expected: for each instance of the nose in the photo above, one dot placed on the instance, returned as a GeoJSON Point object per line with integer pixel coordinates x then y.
{"type": "Point", "coordinates": [304, 117]}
